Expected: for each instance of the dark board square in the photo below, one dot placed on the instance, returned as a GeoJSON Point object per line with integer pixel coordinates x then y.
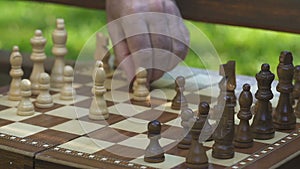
{"type": "Point", "coordinates": [256, 146]}
{"type": "Point", "coordinates": [53, 136]}
{"type": "Point", "coordinates": [111, 134]}
{"type": "Point", "coordinates": [42, 110]}
{"type": "Point", "coordinates": [121, 152]}
{"type": "Point", "coordinates": [3, 108]}
{"type": "Point", "coordinates": [82, 79]}
{"type": "Point", "coordinates": [45, 120]}
{"type": "Point", "coordinates": [4, 122]}
{"type": "Point", "coordinates": [84, 90]}
{"type": "Point", "coordinates": [87, 103]}
{"type": "Point", "coordinates": [153, 114]}
{"type": "Point", "coordinates": [113, 118]}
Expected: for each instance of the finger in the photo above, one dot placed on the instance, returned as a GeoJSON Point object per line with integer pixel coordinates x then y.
{"type": "Point", "coordinates": [137, 37]}
{"type": "Point", "coordinates": [180, 41]}
{"type": "Point", "coordinates": [120, 47]}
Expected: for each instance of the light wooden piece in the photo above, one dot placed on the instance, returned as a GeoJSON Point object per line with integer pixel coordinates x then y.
{"type": "Point", "coordinates": [98, 109]}
{"type": "Point", "coordinates": [25, 107]}
{"type": "Point", "coordinates": [141, 92]}
{"type": "Point", "coordinates": [38, 57]}
{"type": "Point", "coordinates": [16, 73]}
{"type": "Point", "coordinates": [44, 99]}
{"type": "Point", "coordinates": [59, 50]}
{"type": "Point", "coordinates": [67, 92]}
{"type": "Point", "coordinates": [102, 53]}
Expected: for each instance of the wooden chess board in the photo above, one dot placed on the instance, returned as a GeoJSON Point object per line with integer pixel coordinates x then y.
{"type": "Point", "coordinates": [64, 137]}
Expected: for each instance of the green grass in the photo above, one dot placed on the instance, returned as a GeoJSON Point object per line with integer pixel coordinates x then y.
{"type": "Point", "coordinates": [248, 47]}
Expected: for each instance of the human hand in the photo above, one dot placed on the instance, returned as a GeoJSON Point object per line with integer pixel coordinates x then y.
{"type": "Point", "coordinates": [156, 41]}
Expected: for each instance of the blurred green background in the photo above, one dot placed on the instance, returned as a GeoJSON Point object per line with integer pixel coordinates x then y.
{"type": "Point", "coordinates": [248, 47]}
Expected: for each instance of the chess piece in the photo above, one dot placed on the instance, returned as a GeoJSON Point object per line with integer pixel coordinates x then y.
{"type": "Point", "coordinates": [67, 92]}
{"type": "Point", "coordinates": [102, 52]}
{"type": "Point", "coordinates": [262, 125]}
{"type": "Point", "coordinates": [59, 50]}
{"type": "Point", "coordinates": [283, 116]}
{"type": "Point", "coordinates": [141, 92]}
{"type": "Point", "coordinates": [44, 99]}
{"type": "Point", "coordinates": [296, 91]}
{"type": "Point", "coordinates": [98, 109]}
{"type": "Point", "coordinates": [16, 73]}
{"type": "Point", "coordinates": [179, 101]}
{"type": "Point", "coordinates": [154, 152]}
{"type": "Point", "coordinates": [25, 107]}
{"type": "Point", "coordinates": [196, 157]}
{"type": "Point", "coordinates": [223, 147]}
{"type": "Point", "coordinates": [38, 57]}
{"type": "Point", "coordinates": [187, 116]}
{"type": "Point", "coordinates": [243, 136]}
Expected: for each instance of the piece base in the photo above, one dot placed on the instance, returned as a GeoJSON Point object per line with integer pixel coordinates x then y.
{"type": "Point", "coordinates": [154, 159]}
{"type": "Point", "coordinates": [98, 117]}
{"type": "Point", "coordinates": [288, 126]}
{"type": "Point", "coordinates": [223, 156]}
{"type": "Point", "coordinates": [263, 136]}
{"type": "Point", "coordinates": [44, 106]}
{"type": "Point", "coordinates": [29, 113]}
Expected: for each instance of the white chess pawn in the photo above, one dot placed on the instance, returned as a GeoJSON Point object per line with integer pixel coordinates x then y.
{"type": "Point", "coordinates": [98, 109]}
{"type": "Point", "coordinates": [38, 57]}
{"type": "Point", "coordinates": [16, 73]}
{"type": "Point", "coordinates": [44, 99]}
{"type": "Point", "coordinates": [141, 92]}
{"type": "Point", "coordinates": [25, 107]}
{"type": "Point", "coordinates": [59, 50]}
{"type": "Point", "coordinates": [67, 92]}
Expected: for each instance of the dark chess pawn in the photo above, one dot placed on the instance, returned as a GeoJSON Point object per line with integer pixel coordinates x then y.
{"type": "Point", "coordinates": [243, 136]}
{"type": "Point", "coordinates": [187, 118]}
{"type": "Point", "coordinates": [179, 101]}
{"type": "Point", "coordinates": [196, 157]}
{"type": "Point", "coordinates": [262, 125]}
{"type": "Point", "coordinates": [283, 116]}
{"type": "Point", "coordinates": [154, 152]}
{"type": "Point", "coordinates": [296, 92]}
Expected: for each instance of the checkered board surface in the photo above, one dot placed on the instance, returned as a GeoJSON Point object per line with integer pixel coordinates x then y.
{"type": "Point", "coordinates": [65, 135]}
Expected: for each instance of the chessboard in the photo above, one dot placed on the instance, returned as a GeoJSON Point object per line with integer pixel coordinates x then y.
{"type": "Point", "coordinates": [63, 136]}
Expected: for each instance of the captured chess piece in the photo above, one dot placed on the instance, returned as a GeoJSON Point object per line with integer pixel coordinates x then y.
{"type": "Point", "coordinates": [187, 118]}
{"type": "Point", "coordinates": [16, 73]}
{"type": "Point", "coordinates": [67, 92]}
{"type": "Point", "coordinates": [98, 109]}
{"type": "Point", "coordinates": [223, 147]}
{"type": "Point", "coordinates": [262, 125]}
{"type": "Point", "coordinates": [154, 152]}
{"type": "Point", "coordinates": [179, 101]}
{"type": "Point", "coordinates": [243, 135]}
{"type": "Point", "coordinates": [59, 50]}
{"type": "Point", "coordinates": [44, 99]}
{"type": "Point", "coordinates": [283, 116]}
{"type": "Point", "coordinates": [38, 57]}
{"type": "Point", "coordinates": [196, 157]}
{"type": "Point", "coordinates": [141, 93]}
{"type": "Point", "coordinates": [296, 92]}
{"type": "Point", "coordinates": [25, 107]}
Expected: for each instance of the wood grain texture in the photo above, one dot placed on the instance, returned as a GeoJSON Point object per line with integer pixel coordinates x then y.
{"type": "Point", "coordinates": [275, 15]}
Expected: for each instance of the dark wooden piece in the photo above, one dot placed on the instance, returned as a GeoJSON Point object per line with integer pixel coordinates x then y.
{"type": "Point", "coordinates": [179, 102]}
{"type": "Point", "coordinates": [223, 147]}
{"type": "Point", "coordinates": [243, 136]}
{"type": "Point", "coordinates": [262, 125]}
{"type": "Point", "coordinates": [296, 91]}
{"type": "Point", "coordinates": [284, 117]}
{"type": "Point", "coordinates": [196, 157]}
{"type": "Point", "coordinates": [154, 152]}
{"type": "Point", "coordinates": [187, 117]}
